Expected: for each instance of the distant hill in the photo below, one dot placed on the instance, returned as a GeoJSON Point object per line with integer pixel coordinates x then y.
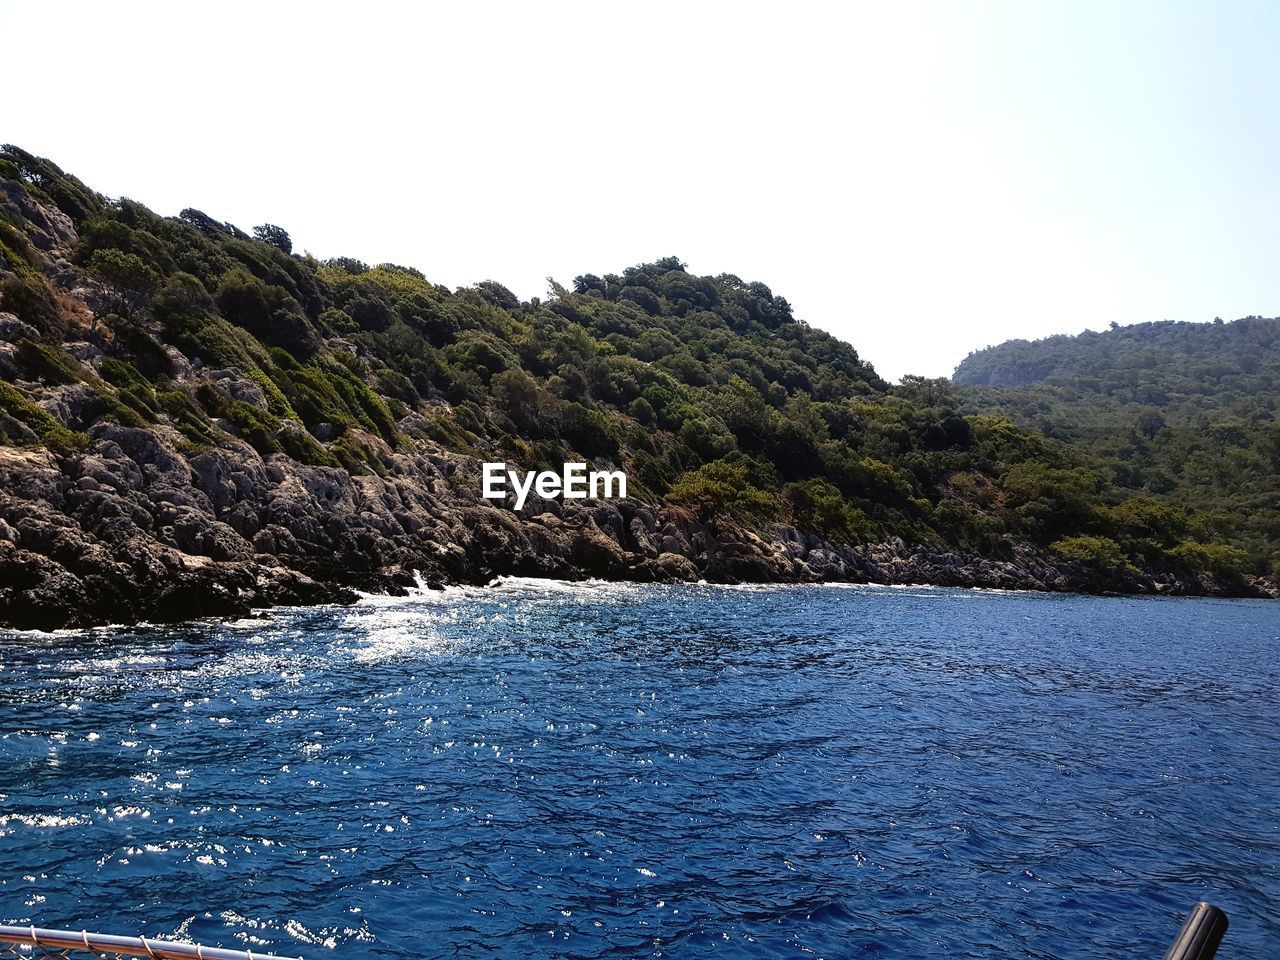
{"type": "Point", "coordinates": [1185, 412]}
{"type": "Point", "coordinates": [1153, 362]}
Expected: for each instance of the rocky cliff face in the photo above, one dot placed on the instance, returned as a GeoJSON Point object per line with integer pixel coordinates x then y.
{"type": "Point", "coordinates": [132, 529]}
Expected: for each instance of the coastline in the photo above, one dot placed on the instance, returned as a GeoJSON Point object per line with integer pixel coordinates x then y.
{"type": "Point", "coordinates": [137, 529]}
{"type": "Point", "coordinates": [181, 460]}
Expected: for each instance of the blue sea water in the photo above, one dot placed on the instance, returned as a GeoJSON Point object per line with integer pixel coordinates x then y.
{"type": "Point", "coordinates": [545, 770]}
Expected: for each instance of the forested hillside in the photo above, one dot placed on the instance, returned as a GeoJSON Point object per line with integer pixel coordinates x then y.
{"type": "Point", "coordinates": [225, 347]}
{"type": "Point", "coordinates": [1182, 412]}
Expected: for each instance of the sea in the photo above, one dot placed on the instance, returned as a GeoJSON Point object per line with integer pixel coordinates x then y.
{"type": "Point", "coordinates": [540, 769]}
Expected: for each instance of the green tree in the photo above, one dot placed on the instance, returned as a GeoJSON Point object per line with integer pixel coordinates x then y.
{"type": "Point", "coordinates": [278, 237]}
{"type": "Point", "coordinates": [724, 488]}
{"type": "Point", "coordinates": [126, 280]}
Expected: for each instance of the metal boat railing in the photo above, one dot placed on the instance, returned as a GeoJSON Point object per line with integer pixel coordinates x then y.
{"type": "Point", "coordinates": [33, 942]}
{"type": "Point", "coordinates": [1200, 935]}
{"type": "Point", "coordinates": [1197, 940]}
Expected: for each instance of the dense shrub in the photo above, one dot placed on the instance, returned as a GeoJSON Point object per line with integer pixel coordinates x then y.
{"type": "Point", "coordinates": [31, 301]}
{"type": "Point", "coordinates": [1098, 551]}
{"type": "Point", "coordinates": [726, 488]}
{"type": "Point", "coordinates": [819, 506]}
{"type": "Point", "coordinates": [49, 364]}
{"type": "Point", "coordinates": [17, 412]}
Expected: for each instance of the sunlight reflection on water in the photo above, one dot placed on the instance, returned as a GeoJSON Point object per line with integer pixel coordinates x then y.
{"type": "Point", "coordinates": [549, 769]}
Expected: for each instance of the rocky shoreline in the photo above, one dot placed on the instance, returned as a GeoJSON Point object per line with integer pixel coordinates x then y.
{"type": "Point", "coordinates": [135, 529]}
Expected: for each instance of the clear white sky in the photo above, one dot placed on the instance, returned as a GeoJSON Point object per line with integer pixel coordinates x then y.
{"type": "Point", "coordinates": [920, 179]}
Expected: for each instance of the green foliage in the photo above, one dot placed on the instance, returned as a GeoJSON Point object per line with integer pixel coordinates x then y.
{"type": "Point", "coordinates": [266, 311]}
{"type": "Point", "coordinates": [729, 488]}
{"type": "Point", "coordinates": [133, 392]}
{"type": "Point", "coordinates": [588, 431]}
{"type": "Point", "coordinates": [1213, 558]}
{"type": "Point", "coordinates": [301, 446]}
{"type": "Point", "coordinates": [142, 349]}
{"type": "Point", "coordinates": [518, 395]}
{"type": "Point", "coordinates": [47, 180]}
{"type": "Point", "coordinates": [126, 407]}
{"type": "Point", "coordinates": [707, 437]}
{"type": "Point", "coordinates": [49, 364]}
{"type": "Point", "coordinates": [123, 375]}
{"type": "Point", "coordinates": [357, 456]}
{"type": "Point", "coordinates": [1098, 551]}
{"type": "Point", "coordinates": [1145, 362]}
{"type": "Point", "coordinates": [24, 423]}
{"type": "Point", "coordinates": [184, 295]}
{"type": "Point", "coordinates": [29, 298]}
{"type": "Point", "coordinates": [277, 404]}
{"type": "Point", "coordinates": [328, 392]}
{"type": "Point", "coordinates": [444, 429]}
{"type": "Point", "coordinates": [256, 426]}
{"type": "Point", "coordinates": [126, 278]}
{"type": "Point", "coordinates": [642, 412]}
{"type": "Point", "coordinates": [817, 505]}
{"type": "Point", "coordinates": [187, 416]}
{"type": "Point", "coordinates": [1179, 414]}
{"type": "Point", "coordinates": [1050, 502]}
{"type": "Point", "coordinates": [16, 252]}
{"type": "Point", "coordinates": [278, 237]}
{"type": "Point", "coordinates": [216, 343]}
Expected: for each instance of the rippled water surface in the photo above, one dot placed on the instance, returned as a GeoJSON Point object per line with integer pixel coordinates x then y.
{"type": "Point", "coordinates": [553, 770]}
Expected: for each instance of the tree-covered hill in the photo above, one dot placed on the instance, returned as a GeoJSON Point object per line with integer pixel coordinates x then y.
{"type": "Point", "coordinates": [1165, 362]}
{"type": "Point", "coordinates": [729, 414]}
{"type": "Point", "coordinates": [1182, 412]}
